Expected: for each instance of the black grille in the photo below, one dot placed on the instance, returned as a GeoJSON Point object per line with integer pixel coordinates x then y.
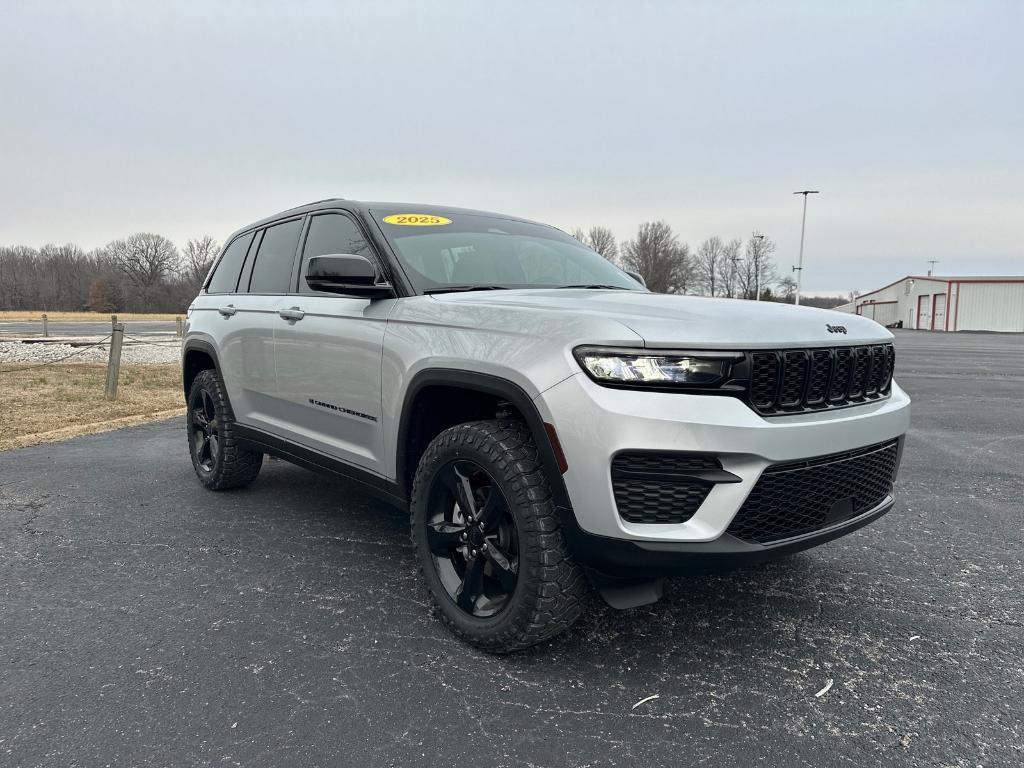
{"type": "Point", "coordinates": [797, 380]}
{"type": "Point", "coordinates": [764, 379]}
{"type": "Point", "coordinates": [817, 383]}
{"type": "Point", "coordinates": [801, 497]}
{"type": "Point", "coordinates": [653, 487]}
{"type": "Point", "coordinates": [794, 378]}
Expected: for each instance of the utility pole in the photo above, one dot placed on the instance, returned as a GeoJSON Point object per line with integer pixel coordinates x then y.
{"type": "Point", "coordinates": [799, 269]}
{"type": "Point", "coordinates": [931, 265]}
{"type": "Point", "coordinates": [757, 266]}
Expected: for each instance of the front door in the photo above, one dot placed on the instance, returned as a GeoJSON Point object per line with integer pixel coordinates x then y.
{"type": "Point", "coordinates": [329, 354]}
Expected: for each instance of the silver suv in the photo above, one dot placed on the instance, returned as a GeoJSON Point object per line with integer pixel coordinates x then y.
{"type": "Point", "coordinates": [551, 425]}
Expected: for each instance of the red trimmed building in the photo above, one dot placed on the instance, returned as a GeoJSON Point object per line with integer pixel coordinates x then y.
{"type": "Point", "coordinates": [931, 303]}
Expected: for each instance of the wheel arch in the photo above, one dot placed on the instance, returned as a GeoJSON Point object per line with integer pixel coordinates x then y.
{"type": "Point", "coordinates": [474, 385]}
{"type": "Point", "coordinates": [197, 355]}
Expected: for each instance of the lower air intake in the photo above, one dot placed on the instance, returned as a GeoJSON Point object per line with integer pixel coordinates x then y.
{"type": "Point", "coordinates": [798, 498]}
{"type": "Point", "coordinates": [658, 487]}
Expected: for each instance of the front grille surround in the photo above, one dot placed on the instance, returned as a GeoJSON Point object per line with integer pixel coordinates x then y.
{"type": "Point", "coordinates": [784, 382]}
{"type": "Point", "coordinates": [798, 498]}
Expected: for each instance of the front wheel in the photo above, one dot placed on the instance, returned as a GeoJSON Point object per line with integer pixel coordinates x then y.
{"type": "Point", "coordinates": [487, 538]}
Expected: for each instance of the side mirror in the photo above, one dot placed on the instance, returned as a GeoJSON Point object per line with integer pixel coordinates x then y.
{"type": "Point", "coordinates": [348, 274]}
{"type": "Point", "coordinates": [636, 276]}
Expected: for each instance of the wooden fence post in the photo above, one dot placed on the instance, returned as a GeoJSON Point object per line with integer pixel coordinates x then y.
{"type": "Point", "coordinates": [113, 323]}
{"type": "Point", "coordinates": [46, 326]}
{"type": "Point", "coordinates": [114, 364]}
{"type": "Point", "coordinates": [178, 321]}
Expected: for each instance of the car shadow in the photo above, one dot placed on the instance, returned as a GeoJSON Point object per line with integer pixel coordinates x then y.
{"type": "Point", "coordinates": [702, 621]}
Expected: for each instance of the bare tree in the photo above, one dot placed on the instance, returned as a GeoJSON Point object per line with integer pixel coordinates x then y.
{"type": "Point", "coordinates": [757, 270]}
{"type": "Point", "coordinates": [598, 239]}
{"type": "Point", "coordinates": [729, 272]}
{"type": "Point", "coordinates": [197, 258]}
{"type": "Point", "coordinates": [709, 265]}
{"type": "Point", "coordinates": [602, 240]}
{"type": "Point", "coordinates": [787, 289]}
{"type": "Point", "coordinates": [657, 255]}
{"type": "Point", "coordinates": [145, 260]}
{"type": "Point", "coordinates": [65, 278]}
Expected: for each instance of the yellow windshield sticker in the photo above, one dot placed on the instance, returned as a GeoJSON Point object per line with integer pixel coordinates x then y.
{"type": "Point", "coordinates": [416, 220]}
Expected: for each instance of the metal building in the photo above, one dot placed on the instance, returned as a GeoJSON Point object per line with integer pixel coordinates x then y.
{"type": "Point", "coordinates": [931, 303]}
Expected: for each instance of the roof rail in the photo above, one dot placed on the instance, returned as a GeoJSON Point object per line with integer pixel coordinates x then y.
{"type": "Point", "coordinates": [315, 202]}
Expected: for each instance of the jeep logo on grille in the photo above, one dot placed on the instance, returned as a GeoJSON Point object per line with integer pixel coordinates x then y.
{"type": "Point", "coordinates": [836, 328]}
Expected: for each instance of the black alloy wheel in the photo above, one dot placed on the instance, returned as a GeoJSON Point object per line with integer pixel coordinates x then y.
{"type": "Point", "coordinates": [205, 432]}
{"type": "Point", "coordinates": [472, 538]}
{"type": "Point", "coordinates": [220, 462]}
{"type": "Point", "coordinates": [487, 537]}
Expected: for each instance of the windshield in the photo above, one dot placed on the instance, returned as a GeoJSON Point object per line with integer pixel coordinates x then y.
{"type": "Point", "coordinates": [461, 251]}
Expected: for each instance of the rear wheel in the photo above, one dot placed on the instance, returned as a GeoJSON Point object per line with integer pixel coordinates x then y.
{"type": "Point", "coordinates": [217, 458]}
{"type": "Point", "coordinates": [488, 541]}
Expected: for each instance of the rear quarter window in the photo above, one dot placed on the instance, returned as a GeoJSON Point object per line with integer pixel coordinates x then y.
{"type": "Point", "coordinates": [225, 276]}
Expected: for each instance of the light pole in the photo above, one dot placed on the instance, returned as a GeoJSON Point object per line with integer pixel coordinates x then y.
{"type": "Point", "coordinates": [799, 269]}
{"type": "Point", "coordinates": [757, 266]}
{"type": "Point", "coordinates": [931, 266]}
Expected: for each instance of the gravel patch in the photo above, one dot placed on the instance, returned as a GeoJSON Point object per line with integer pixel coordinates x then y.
{"type": "Point", "coordinates": [152, 353]}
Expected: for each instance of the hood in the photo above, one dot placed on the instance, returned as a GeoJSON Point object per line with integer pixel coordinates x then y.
{"type": "Point", "coordinates": [664, 320]}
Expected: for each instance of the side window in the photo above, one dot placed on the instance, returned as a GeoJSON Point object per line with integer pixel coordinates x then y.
{"type": "Point", "coordinates": [225, 277]}
{"type": "Point", "coordinates": [331, 233]}
{"type": "Point", "coordinates": [272, 269]}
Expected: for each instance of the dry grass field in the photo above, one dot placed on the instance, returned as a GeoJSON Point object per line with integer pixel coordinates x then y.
{"type": "Point", "coordinates": [21, 316]}
{"type": "Point", "coordinates": [55, 402]}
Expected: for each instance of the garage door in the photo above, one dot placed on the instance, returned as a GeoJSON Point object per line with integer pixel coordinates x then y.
{"type": "Point", "coordinates": [939, 312]}
{"type": "Point", "coordinates": [924, 317]}
{"type": "Point", "coordinates": [886, 313]}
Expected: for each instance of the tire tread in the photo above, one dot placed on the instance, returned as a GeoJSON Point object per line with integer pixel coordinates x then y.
{"type": "Point", "coordinates": [557, 589]}
{"type": "Point", "coordinates": [238, 466]}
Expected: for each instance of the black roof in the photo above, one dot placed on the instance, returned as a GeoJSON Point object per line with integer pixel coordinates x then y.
{"type": "Point", "coordinates": [362, 207]}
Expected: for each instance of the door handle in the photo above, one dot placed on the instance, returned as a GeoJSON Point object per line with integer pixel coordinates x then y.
{"type": "Point", "coordinates": [291, 314]}
{"type": "Point", "coordinates": [227, 311]}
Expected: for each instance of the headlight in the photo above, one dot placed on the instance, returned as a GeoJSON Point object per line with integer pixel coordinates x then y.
{"type": "Point", "coordinates": [653, 367]}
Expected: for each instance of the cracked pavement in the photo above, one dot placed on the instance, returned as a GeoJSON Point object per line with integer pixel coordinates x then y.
{"type": "Point", "coordinates": [147, 621]}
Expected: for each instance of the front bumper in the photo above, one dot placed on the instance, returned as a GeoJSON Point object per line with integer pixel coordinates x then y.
{"type": "Point", "coordinates": [652, 559]}
{"type": "Point", "coordinates": [594, 423]}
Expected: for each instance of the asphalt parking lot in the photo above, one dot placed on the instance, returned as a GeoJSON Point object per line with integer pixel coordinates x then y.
{"type": "Point", "coordinates": [146, 621]}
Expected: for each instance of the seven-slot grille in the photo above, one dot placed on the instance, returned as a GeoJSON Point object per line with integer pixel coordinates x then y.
{"type": "Point", "coordinates": [796, 380]}
{"type": "Point", "coordinates": [800, 497]}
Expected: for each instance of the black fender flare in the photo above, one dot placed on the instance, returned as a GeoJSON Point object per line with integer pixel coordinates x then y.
{"type": "Point", "coordinates": [201, 345]}
{"type": "Point", "coordinates": [491, 385]}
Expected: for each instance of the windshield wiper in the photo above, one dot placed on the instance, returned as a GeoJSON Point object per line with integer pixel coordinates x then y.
{"type": "Point", "coordinates": [597, 285]}
{"type": "Point", "coordinates": [462, 288]}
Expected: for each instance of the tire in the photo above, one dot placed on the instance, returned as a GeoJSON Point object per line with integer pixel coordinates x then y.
{"type": "Point", "coordinates": [466, 560]}
{"type": "Point", "coordinates": [219, 462]}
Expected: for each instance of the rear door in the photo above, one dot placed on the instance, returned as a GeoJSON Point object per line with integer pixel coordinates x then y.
{"type": "Point", "coordinates": [329, 354]}
{"type": "Point", "coordinates": [247, 350]}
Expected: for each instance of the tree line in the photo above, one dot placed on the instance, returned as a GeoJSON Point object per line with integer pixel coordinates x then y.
{"type": "Point", "coordinates": [734, 268]}
{"type": "Point", "coordinates": [148, 273]}
{"type": "Point", "coordinates": [141, 273]}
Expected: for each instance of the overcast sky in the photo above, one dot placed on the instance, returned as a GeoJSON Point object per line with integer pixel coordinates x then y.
{"type": "Point", "coordinates": [194, 118]}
